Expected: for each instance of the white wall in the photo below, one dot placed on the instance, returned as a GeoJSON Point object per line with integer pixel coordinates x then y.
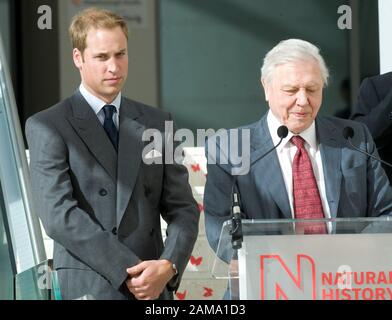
{"type": "Point", "coordinates": [385, 26]}
{"type": "Point", "coordinates": [142, 83]}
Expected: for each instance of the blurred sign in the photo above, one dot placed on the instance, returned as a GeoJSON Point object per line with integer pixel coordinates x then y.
{"type": "Point", "coordinates": [133, 11]}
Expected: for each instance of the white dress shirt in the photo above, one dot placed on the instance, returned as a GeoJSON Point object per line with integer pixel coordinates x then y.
{"type": "Point", "coordinates": [97, 104]}
{"type": "Point", "coordinates": [286, 152]}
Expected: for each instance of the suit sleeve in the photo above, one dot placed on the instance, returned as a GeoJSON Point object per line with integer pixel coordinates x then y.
{"type": "Point", "coordinates": [63, 220]}
{"type": "Point", "coordinates": [373, 111]}
{"type": "Point", "coordinates": [379, 192]}
{"type": "Point", "coordinates": [217, 200]}
{"type": "Point", "coordinates": [179, 209]}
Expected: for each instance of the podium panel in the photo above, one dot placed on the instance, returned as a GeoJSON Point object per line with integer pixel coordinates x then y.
{"type": "Point", "coordinates": [277, 261]}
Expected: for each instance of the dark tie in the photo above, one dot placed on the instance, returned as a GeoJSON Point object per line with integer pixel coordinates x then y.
{"type": "Point", "coordinates": [307, 201]}
{"type": "Point", "coordinates": [109, 125]}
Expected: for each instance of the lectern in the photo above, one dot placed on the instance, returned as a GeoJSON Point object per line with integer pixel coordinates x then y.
{"type": "Point", "coordinates": [279, 261]}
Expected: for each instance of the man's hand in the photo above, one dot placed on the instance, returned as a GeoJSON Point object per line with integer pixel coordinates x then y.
{"type": "Point", "coordinates": [148, 279]}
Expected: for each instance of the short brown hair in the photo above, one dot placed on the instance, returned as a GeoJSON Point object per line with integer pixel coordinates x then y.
{"type": "Point", "coordinates": [93, 18]}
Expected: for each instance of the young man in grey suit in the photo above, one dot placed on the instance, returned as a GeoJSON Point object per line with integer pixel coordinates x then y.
{"type": "Point", "coordinates": [96, 197]}
{"type": "Point", "coordinates": [314, 173]}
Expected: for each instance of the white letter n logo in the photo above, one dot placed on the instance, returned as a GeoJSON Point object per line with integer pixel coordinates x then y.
{"type": "Point", "coordinates": [279, 282]}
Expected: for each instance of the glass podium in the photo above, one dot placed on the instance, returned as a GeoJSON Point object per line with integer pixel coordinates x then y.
{"type": "Point", "coordinates": [279, 261]}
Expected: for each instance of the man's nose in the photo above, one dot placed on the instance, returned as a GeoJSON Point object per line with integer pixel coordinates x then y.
{"type": "Point", "coordinates": [302, 97]}
{"type": "Point", "coordinates": [112, 65]}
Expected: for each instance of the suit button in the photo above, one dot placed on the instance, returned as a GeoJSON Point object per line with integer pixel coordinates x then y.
{"type": "Point", "coordinates": [114, 231]}
{"type": "Point", "coordinates": [390, 116]}
{"type": "Point", "coordinates": [103, 192]}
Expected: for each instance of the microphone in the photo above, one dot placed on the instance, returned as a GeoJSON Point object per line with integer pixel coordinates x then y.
{"type": "Point", "coordinates": [236, 216]}
{"type": "Point", "coordinates": [282, 133]}
{"type": "Point", "coordinates": [236, 211]}
{"type": "Point", "coordinates": [348, 134]}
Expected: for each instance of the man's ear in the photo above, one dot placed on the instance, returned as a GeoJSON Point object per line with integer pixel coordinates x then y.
{"type": "Point", "coordinates": [266, 91]}
{"type": "Point", "coordinates": [77, 58]}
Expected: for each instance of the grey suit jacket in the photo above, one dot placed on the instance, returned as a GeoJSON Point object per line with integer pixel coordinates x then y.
{"type": "Point", "coordinates": [103, 208]}
{"type": "Point", "coordinates": [356, 185]}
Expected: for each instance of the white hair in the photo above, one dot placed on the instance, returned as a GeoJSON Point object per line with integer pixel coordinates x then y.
{"type": "Point", "coordinates": [292, 50]}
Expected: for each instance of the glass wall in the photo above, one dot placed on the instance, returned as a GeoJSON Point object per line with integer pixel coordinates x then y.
{"type": "Point", "coordinates": [7, 268]}
{"type": "Point", "coordinates": [212, 51]}
{"type": "Point", "coordinates": [20, 233]}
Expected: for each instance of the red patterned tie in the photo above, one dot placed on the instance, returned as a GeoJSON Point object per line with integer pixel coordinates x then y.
{"type": "Point", "coordinates": [307, 201]}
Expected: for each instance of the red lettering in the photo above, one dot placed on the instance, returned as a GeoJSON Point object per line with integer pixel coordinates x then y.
{"type": "Point", "coordinates": [356, 293]}
{"type": "Point", "coordinates": [382, 278]}
{"type": "Point", "coordinates": [370, 297]}
{"type": "Point", "coordinates": [380, 292]}
{"type": "Point", "coordinates": [326, 278]}
{"type": "Point", "coordinates": [345, 279]}
{"type": "Point", "coordinates": [359, 281]}
{"type": "Point", "coordinates": [390, 293]}
{"type": "Point", "coordinates": [293, 278]}
{"type": "Point", "coordinates": [327, 296]}
{"type": "Point", "coordinates": [338, 278]}
{"type": "Point", "coordinates": [279, 294]}
{"type": "Point", "coordinates": [346, 294]}
{"type": "Point", "coordinates": [369, 285]}
{"type": "Point", "coordinates": [370, 277]}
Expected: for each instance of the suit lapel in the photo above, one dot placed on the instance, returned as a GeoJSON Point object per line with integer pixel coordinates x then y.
{"type": "Point", "coordinates": [331, 155]}
{"type": "Point", "coordinates": [129, 154]}
{"type": "Point", "coordinates": [267, 172]}
{"type": "Point", "coordinates": [87, 126]}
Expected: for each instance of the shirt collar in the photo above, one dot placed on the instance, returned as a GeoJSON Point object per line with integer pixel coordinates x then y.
{"type": "Point", "coordinates": [309, 135]}
{"type": "Point", "coordinates": [97, 104]}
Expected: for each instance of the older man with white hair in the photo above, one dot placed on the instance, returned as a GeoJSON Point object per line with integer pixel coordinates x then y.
{"type": "Point", "coordinates": [314, 173]}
